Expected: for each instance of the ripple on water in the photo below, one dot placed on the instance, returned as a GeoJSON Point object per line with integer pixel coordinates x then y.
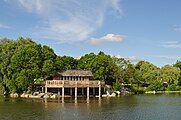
{"type": "Point", "coordinates": [135, 107]}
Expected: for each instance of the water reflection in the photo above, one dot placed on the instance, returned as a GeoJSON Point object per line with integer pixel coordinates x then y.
{"type": "Point", "coordinates": [135, 107]}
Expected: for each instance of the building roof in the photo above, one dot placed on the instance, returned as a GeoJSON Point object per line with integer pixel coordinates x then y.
{"type": "Point", "coordinates": [76, 73]}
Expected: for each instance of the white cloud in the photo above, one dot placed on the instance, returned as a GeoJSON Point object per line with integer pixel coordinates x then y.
{"type": "Point", "coordinates": [169, 57]}
{"type": "Point", "coordinates": [130, 58]}
{"type": "Point", "coordinates": [171, 44]}
{"type": "Point", "coordinates": [32, 5]}
{"type": "Point", "coordinates": [4, 26]}
{"type": "Point", "coordinates": [107, 38]}
{"type": "Point", "coordinates": [116, 6]}
{"type": "Point", "coordinates": [68, 20]}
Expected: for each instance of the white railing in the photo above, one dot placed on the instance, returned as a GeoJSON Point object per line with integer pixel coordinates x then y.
{"type": "Point", "coordinates": [67, 83]}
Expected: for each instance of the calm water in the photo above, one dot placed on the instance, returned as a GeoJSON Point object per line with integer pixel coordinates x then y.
{"type": "Point", "coordinates": [135, 107]}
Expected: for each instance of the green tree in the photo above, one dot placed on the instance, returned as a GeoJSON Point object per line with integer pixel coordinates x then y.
{"type": "Point", "coordinates": [156, 86]}
{"type": "Point", "coordinates": [178, 65]}
{"type": "Point", "coordinates": [146, 72]}
{"type": "Point", "coordinates": [48, 69]}
{"type": "Point", "coordinates": [103, 67]}
{"type": "Point", "coordinates": [117, 86]}
{"type": "Point", "coordinates": [170, 74]}
{"type": "Point", "coordinates": [49, 62]}
{"type": "Point", "coordinates": [69, 62]}
{"type": "Point", "coordinates": [25, 65]}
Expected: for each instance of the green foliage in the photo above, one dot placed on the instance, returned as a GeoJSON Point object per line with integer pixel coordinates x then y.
{"type": "Point", "coordinates": [69, 62]}
{"type": "Point", "coordinates": [156, 86]}
{"type": "Point", "coordinates": [137, 89]}
{"type": "Point", "coordinates": [117, 86]}
{"type": "Point", "coordinates": [178, 65]}
{"type": "Point", "coordinates": [38, 81]}
{"type": "Point", "coordinates": [48, 68]}
{"type": "Point", "coordinates": [1, 89]}
{"type": "Point", "coordinates": [24, 62]}
{"type": "Point", "coordinates": [173, 87]}
{"type": "Point", "coordinates": [102, 66]}
{"type": "Point", "coordinates": [147, 72]}
{"type": "Point", "coordinates": [170, 74]}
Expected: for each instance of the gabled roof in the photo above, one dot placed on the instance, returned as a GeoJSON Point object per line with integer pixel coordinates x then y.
{"type": "Point", "coordinates": [83, 73]}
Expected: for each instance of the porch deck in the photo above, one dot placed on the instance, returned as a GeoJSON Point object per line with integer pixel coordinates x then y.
{"type": "Point", "coordinates": [73, 84]}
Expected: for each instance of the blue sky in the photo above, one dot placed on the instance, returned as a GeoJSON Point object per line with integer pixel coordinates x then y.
{"type": "Point", "coordinates": [133, 29]}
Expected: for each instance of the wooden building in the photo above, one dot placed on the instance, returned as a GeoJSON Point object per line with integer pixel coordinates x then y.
{"type": "Point", "coordinates": [75, 81]}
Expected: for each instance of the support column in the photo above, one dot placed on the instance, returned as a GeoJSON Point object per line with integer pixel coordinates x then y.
{"type": "Point", "coordinates": [71, 91]}
{"type": "Point", "coordinates": [62, 92]}
{"type": "Point", "coordinates": [62, 99]}
{"type": "Point", "coordinates": [94, 91]}
{"type": "Point", "coordinates": [63, 89]}
{"type": "Point", "coordinates": [82, 91]}
{"type": "Point", "coordinates": [45, 89]}
{"type": "Point", "coordinates": [99, 89]}
{"type": "Point", "coordinates": [75, 92]}
{"type": "Point", "coordinates": [42, 89]}
{"type": "Point", "coordinates": [87, 92]}
{"type": "Point", "coordinates": [58, 92]}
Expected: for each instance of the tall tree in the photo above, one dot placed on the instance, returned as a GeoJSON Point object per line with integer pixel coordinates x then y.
{"type": "Point", "coordinates": [170, 74]}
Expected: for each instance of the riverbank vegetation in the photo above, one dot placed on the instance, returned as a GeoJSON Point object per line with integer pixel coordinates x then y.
{"type": "Point", "coordinates": [24, 62]}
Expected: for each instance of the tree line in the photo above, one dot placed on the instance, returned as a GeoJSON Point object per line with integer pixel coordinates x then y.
{"type": "Point", "coordinates": [24, 62]}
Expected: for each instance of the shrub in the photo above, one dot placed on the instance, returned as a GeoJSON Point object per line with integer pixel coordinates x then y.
{"type": "Point", "coordinates": [117, 86]}
{"type": "Point", "coordinates": [137, 89]}
{"type": "Point", "coordinates": [156, 86]}
{"type": "Point", "coordinates": [173, 87]}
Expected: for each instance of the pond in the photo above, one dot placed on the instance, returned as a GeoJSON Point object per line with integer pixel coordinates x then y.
{"type": "Point", "coordinates": [133, 107]}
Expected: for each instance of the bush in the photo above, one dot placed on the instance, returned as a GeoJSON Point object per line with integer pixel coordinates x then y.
{"type": "Point", "coordinates": [1, 89]}
{"type": "Point", "coordinates": [137, 89]}
{"type": "Point", "coordinates": [156, 86]}
{"type": "Point", "coordinates": [173, 87]}
{"type": "Point", "coordinates": [117, 86]}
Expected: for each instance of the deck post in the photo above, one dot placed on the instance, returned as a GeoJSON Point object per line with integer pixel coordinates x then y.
{"type": "Point", "coordinates": [63, 89]}
{"type": "Point", "coordinates": [45, 89]}
{"type": "Point", "coordinates": [76, 91]}
{"type": "Point", "coordinates": [99, 89]}
{"type": "Point", "coordinates": [42, 89]}
{"type": "Point", "coordinates": [94, 91]}
{"type": "Point", "coordinates": [58, 92]}
{"type": "Point", "coordinates": [88, 92]}
{"type": "Point", "coordinates": [71, 91]}
{"type": "Point", "coordinates": [63, 92]}
{"type": "Point", "coordinates": [82, 91]}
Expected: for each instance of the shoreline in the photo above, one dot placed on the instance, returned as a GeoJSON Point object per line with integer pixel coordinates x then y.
{"type": "Point", "coordinates": [54, 95]}
{"type": "Point", "coordinates": [161, 92]}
